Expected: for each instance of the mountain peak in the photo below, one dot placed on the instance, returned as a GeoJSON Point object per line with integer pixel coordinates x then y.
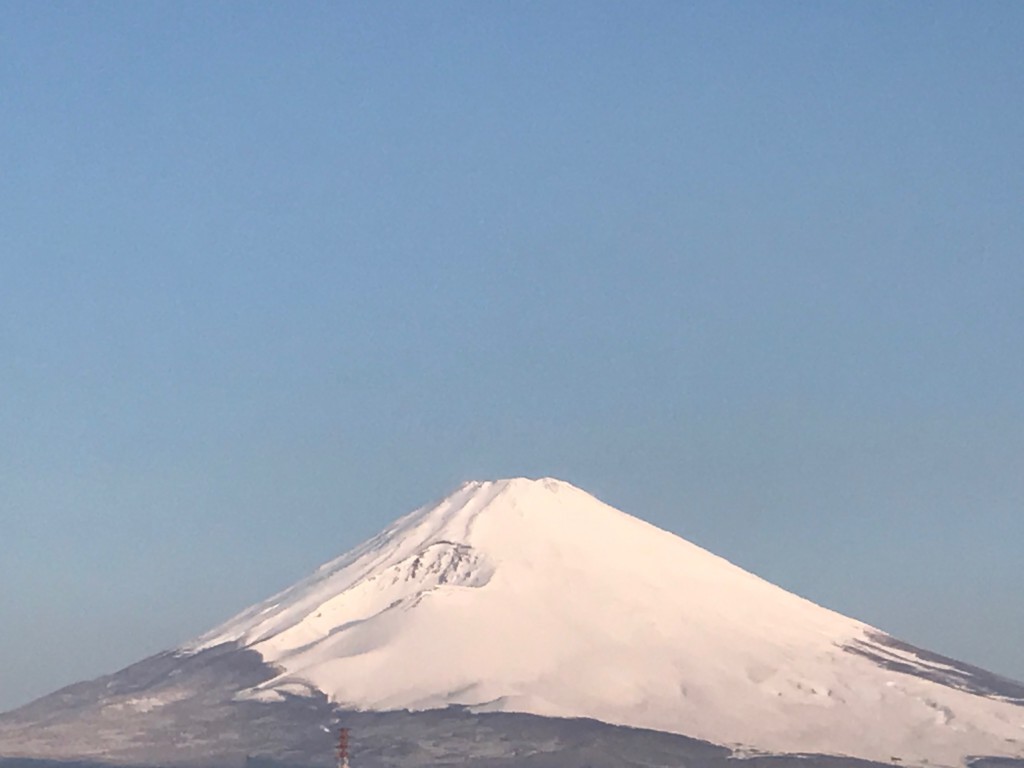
{"type": "Point", "coordinates": [511, 489]}
{"type": "Point", "coordinates": [520, 490]}
{"type": "Point", "coordinates": [552, 484]}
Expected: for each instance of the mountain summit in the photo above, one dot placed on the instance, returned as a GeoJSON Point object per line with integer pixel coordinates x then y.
{"type": "Point", "coordinates": [533, 596]}
{"type": "Point", "coordinates": [460, 633]}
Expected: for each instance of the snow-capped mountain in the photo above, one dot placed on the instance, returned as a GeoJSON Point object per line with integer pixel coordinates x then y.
{"type": "Point", "coordinates": [462, 630]}
{"type": "Point", "coordinates": [533, 596]}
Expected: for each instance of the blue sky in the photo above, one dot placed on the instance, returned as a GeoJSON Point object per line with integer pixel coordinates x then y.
{"type": "Point", "coordinates": [272, 275]}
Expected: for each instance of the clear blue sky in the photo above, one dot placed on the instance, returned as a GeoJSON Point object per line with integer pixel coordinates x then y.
{"type": "Point", "coordinates": [273, 274]}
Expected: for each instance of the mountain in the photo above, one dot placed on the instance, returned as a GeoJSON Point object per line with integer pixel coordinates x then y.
{"type": "Point", "coordinates": [513, 602]}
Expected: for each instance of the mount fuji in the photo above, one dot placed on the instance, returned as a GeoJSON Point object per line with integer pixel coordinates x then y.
{"type": "Point", "coordinates": [519, 621]}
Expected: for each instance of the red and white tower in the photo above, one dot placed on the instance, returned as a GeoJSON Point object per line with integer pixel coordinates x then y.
{"type": "Point", "coordinates": [343, 748]}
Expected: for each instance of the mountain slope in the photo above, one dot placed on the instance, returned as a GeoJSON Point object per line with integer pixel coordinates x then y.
{"type": "Point", "coordinates": [533, 596]}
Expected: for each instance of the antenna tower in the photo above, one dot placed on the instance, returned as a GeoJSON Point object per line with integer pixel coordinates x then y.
{"type": "Point", "coordinates": [343, 748]}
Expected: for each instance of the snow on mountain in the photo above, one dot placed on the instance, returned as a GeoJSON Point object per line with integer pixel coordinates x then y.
{"type": "Point", "coordinates": [533, 596]}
